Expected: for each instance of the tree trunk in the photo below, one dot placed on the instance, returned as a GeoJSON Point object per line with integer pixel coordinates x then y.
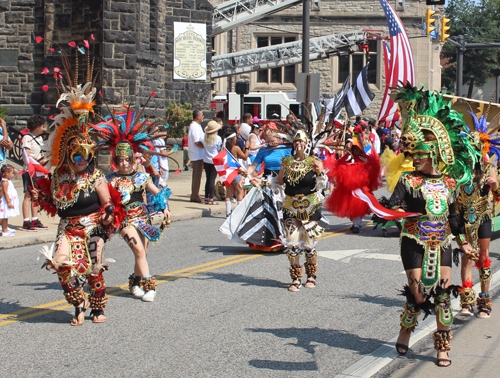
{"type": "Point", "coordinates": [471, 87]}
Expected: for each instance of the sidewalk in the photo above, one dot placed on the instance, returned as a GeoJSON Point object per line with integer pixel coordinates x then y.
{"type": "Point", "coordinates": [475, 350]}
{"type": "Point", "coordinates": [180, 207]}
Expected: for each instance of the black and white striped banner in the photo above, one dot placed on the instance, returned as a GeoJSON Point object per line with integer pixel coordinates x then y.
{"type": "Point", "coordinates": [337, 102]}
{"type": "Point", "coordinates": [359, 95]}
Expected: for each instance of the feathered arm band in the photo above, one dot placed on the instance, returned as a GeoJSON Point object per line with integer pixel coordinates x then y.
{"type": "Point", "coordinates": [160, 201]}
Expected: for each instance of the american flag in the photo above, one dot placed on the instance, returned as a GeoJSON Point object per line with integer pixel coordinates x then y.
{"type": "Point", "coordinates": [226, 166]}
{"type": "Point", "coordinates": [400, 62]}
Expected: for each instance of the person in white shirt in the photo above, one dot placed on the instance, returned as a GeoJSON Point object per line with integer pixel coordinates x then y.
{"type": "Point", "coordinates": [162, 159]}
{"type": "Point", "coordinates": [213, 145]}
{"type": "Point", "coordinates": [196, 153]}
{"type": "Point", "coordinates": [246, 129]}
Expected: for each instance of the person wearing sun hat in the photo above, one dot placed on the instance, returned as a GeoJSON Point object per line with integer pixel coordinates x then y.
{"type": "Point", "coordinates": [213, 145]}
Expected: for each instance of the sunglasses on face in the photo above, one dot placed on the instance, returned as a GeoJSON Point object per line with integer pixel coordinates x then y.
{"type": "Point", "coordinates": [79, 158]}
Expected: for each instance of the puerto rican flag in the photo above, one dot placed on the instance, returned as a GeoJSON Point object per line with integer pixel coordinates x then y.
{"type": "Point", "coordinates": [378, 209]}
{"type": "Point", "coordinates": [34, 167]}
{"type": "Point", "coordinates": [226, 166]}
{"type": "Point", "coordinates": [398, 62]}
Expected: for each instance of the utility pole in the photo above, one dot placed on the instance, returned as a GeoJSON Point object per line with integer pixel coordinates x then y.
{"type": "Point", "coordinates": [460, 64]}
{"type": "Point", "coordinates": [305, 36]}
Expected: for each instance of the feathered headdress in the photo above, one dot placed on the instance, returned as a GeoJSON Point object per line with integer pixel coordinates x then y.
{"type": "Point", "coordinates": [127, 133]}
{"type": "Point", "coordinates": [485, 141]}
{"type": "Point", "coordinates": [314, 135]}
{"type": "Point", "coordinates": [426, 111]}
{"type": "Point", "coordinates": [70, 128]}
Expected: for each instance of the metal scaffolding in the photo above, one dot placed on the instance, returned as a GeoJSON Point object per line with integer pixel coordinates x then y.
{"type": "Point", "coordinates": [285, 54]}
{"type": "Point", "coordinates": [234, 13]}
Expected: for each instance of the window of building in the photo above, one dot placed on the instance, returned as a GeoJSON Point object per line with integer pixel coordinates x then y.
{"type": "Point", "coordinates": [354, 63]}
{"type": "Point", "coordinates": [278, 75]}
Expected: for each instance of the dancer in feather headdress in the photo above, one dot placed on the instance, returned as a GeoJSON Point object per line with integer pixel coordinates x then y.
{"type": "Point", "coordinates": [474, 207]}
{"type": "Point", "coordinates": [300, 181]}
{"type": "Point", "coordinates": [78, 192]}
{"type": "Point", "coordinates": [441, 153]}
{"type": "Point", "coordinates": [125, 135]}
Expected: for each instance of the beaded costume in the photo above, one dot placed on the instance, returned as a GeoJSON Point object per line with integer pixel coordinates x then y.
{"type": "Point", "coordinates": [436, 136]}
{"type": "Point", "coordinates": [73, 195]}
{"type": "Point", "coordinates": [474, 206]}
{"type": "Point", "coordinates": [124, 134]}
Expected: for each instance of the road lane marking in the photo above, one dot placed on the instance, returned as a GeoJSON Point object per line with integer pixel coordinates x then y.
{"type": "Point", "coordinates": [235, 259]}
{"type": "Point", "coordinates": [117, 290]}
{"type": "Point", "coordinates": [339, 255]}
{"type": "Point", "coordinates": [114, 288]}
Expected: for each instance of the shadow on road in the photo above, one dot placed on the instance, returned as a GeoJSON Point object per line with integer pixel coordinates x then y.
{"type": "Point", "coordinates": [244, 280]}
{"type": "Point", "coordinates": [307, 339]}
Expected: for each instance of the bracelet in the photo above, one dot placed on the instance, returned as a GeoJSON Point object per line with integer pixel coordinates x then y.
{"type": "Point", "coordinates": [461, 240]}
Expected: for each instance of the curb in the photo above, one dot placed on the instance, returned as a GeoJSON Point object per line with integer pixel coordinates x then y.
{"type": "Point", "coordinates": [50, 235]}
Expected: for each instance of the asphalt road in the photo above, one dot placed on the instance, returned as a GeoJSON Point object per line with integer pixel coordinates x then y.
{"type": "Point", "coordinates": [222, 310]}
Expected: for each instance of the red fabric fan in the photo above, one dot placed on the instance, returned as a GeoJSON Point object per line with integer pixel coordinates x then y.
{"type": "Point", "coordinates": [45, 200]}
{"type": "Point", "coordinates": [347, 174]}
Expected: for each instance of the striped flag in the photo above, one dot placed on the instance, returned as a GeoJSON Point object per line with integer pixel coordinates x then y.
{"type": "Point", "coordinates": [359, 96]}
{"type": "Point", "coordinates": [399, 62]}
{"type": "Point", "coordinates": [378, 209]}
{"type": "Point", "coordinates": [337, 102]}
{"type": "Point", "coordinates": [226, 166]}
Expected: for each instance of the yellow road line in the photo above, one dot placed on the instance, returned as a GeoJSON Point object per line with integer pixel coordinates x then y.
{"type": "Point", "coordinates": [65, 306]}
{"type": "Point", "coordinates": [111, 289]}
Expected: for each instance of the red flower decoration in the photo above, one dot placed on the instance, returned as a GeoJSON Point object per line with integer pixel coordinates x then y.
{"type": "Point", "coordinates": [51, 117]}
{"type": "Point", "coordinates": [56, 69]}
{"type": "Point", "coordinates": [177, 172]}
{"type": "Point", "coordinates": [86, 43]}
{"type": "Point", "coordinates": [45, 88]}
{"type": "Point", "coordinates": [39, 39]}
{"type": "Point", "coordinates": [153, 94]}
{"type": "Point", "coordinates": [45, 71]}
{"type": "Point", "coordinates": [50, 49]}
{"type": "Point", "coordinates": [72, 44]}
{"type": "Point", "coordinates": [100, 93]}
{"type": "Point", "coordinates": [92, 36]}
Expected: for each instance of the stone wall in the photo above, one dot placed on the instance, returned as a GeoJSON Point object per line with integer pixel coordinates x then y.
{"type": "Point", "coordinates": [133, 48]}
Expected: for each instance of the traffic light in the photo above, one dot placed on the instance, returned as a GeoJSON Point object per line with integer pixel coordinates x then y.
{"type": "Point", "coordinates": [428, 21]}
{"type": "Point", "coordinates": [444, 28]}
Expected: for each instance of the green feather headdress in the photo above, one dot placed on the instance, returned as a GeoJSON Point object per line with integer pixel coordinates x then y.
{"type": "Point", "coordinates": [452, 152]}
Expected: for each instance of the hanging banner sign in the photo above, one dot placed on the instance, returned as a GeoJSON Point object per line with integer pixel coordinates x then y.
{"type": "Point", "coordinates": [190, 51]}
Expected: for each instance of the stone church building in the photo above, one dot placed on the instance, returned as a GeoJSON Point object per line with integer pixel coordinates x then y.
{"type": "Point", "coordinates": [133, 47]}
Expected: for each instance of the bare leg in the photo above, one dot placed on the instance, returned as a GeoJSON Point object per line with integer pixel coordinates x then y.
{"type": "Point", "coordinates": [5, 225]}
{"type": "Point", "coordinates": [137, 243]}
{"type": "Point", "coordinates": [413, 276]}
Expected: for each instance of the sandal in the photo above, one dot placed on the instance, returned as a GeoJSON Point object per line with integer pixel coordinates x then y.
{"type": "Point", "coordinates": [210, 202]}
{"type": "Point", "coordinates": [441, 360]}
{"type": "Point", "coordinates": [79, 310]}
{"type": "Point", "coordinates": [483, 313]}
{"type": "Point", "coordinates": [97, 316]}
{"type": "Point", "coordinates": [466, 310]}
{"type": "Point", "coordinates": [312, 281]}
{"type": "Point", "coordinates": [401, 349]}
{"type": "Point", "coordinates": [295, 286]}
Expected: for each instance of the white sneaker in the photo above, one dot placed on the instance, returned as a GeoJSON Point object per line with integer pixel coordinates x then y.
{"type": "Point", "coordinates": [8, 233]}
{"type": "Point", "coordinates": [11, 229]}
{"type": "Point", "coordinates": [149, 296]}
{"type": "Point", "coordinates": [137, 291]}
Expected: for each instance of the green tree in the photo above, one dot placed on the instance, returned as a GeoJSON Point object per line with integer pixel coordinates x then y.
{"type": "Point", "coordinates": [178, 116]}
{"type": "Point", "coordinates": [4, 112]}
{"type": "Point", "coordinates": [477, 21]}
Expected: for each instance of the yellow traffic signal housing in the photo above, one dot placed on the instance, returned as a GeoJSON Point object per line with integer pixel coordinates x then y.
{"type": "Point", "coordinates": [428, 21]}
{"type": "Point", "coordinates": [444, 28]}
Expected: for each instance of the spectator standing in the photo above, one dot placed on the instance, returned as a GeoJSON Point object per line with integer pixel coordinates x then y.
{"type": "Point", "coordinates": [196, 153]}
{"type": "Point", "coordinates": [162, 160]}
{"type": "Point", "coordinates": [213, 145]}
{"type": "Point", "coordinates": [246, 129]}
{"type": "Point", "coordinates": [32, 142]}
{"type": "Point", "coordinates": [154, 170]}
{"type": "Point", "coordinates": [5, 143]}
